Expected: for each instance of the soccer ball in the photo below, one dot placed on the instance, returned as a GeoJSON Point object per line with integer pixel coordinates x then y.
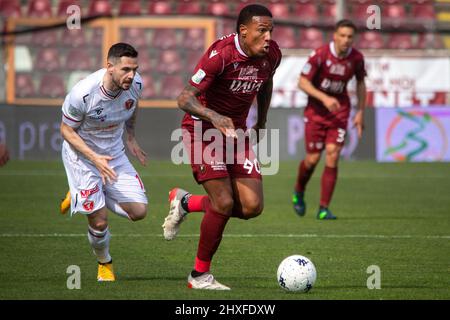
{"type": "Point", "coordinates": [296, 273]}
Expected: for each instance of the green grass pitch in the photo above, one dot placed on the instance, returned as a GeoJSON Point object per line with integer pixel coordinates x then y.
{"type": "Point", "coordinates": [395, 216]}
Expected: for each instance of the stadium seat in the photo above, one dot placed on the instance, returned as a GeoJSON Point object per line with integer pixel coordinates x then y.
{"type": "Point", "coordinates": [64, 4]}
{"type": "Point", "coordinates": [73, 38]}
{"type": "Point", "coordinates": [194, 38]}
{"type": "Point", "coordinates": [359, 12]}
{"type": "Point", "coordinates": [52, 86]}
{"type": "Point", "coordinates": [430, 41]}
{"type": "Point", "coordinates": [285, 37]}
{"type": "Point", "coordinates": [306, 12]}
{"type": "Point", "coordinates": [144, 61]}
{"type": "Point", "coordinates": [280, 10]}
{"type": "Point", "coordinates": [169, 62]}
{"type": "Point", "coordinates": [45, 38]}
{"type": "Point", "coordinates": [100, 7]}
{"type": "Point", "coordinates": [149, 91]}
{"type": "Point", "coordinates": [97, 37]}
{"type": "Point", "coordinates": [218, 8]}
{"type": "Point", "coordinates": [189, 7]}
{"type": "Point", "coordinates": [10, 8]}
{"type": "Point", "coordinates": [400, 41]}
{"type": "Point", "coordinates": [47, 59]}
{"type": "Point", "coordinates": [164, 38]}
{"type": "Point", "coordinates": [135, 36]}
{"type": "Point", "coordinates": [421, 12]}
{"type": "Point", "coordinates": [394, 14]}
{"type": "Point", "coordinates": [160, 7]}
{"type": "Point", "coordinates": [329, 13]}
{"type": "Point", "coordinates": [130, 7]}
{"type": "Point", "coordinates": [192, 59]}
{"type": "Point", "coordinates": [171, 87]}
{"type": "Point", "coordinates": [311, 38]}
{"type": "Point", "coordinates": [370, 40]}
{"type": "Point", "coordinates": [40, 9]}
{"type": "Point", "coordinates": [24, 85]}
{"type": "Point", "coordinates": [78, 59]}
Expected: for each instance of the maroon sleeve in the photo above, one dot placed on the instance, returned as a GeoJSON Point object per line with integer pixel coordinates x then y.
{"type": "Point", "coordinates": [210, 66]}
{"type": "Point", "coordinates": [360, 69]}
{"type": "Point", "coordinates": [312, 65]}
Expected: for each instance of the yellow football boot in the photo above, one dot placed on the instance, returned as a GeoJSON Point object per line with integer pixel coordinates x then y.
{"type": "Point", "coordinates": [105, 272]}
{"type": "Point", "coordinates": [65, 204]}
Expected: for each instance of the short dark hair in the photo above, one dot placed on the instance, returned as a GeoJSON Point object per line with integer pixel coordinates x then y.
{"type": "Point", "coordinates": [250, 11]}
{"type": "Point", "coordinates": [345, 23]}
{"type": "Point", "coordinates": [121, 49]}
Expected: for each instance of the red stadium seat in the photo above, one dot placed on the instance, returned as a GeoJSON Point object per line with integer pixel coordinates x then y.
{"type": "Point", "coordinates": [100, 7]}
{"type": "Point", "coordinates": [160, 7]}
{"type": "Point", "coordinates": [149, 91]}
{"type": "Point", "coordinates": [24, 85]}
{"type": "Point", "coordinates": [218, 8]}
{"type": "Point", "coordinates": [189, 7]}
{"type": "Point", "coordinates": [73, 38]}
{"type": "Point", "coordinates": [394, 14]}
{"type": "Point", "coordinates": [359, 12]}
{"type": "Point", "coordinates": [194, 39]}
{"type": "Point", "coordinates": [47, 59]}
{"type": "Point", "coordinates": [169, 62]}
{"type": "Point", "coordinates": [144, 61]}
{"type": "Point", "coordinates": [280, 10]}
{"type": "Point", "coordinates": [370, 40]}
{"type": "Point", "coordinates": [78, 59]}
{"type": "Point", "coordinates": [423, 12]}
{"type": "Point", "coordinates": [137, 37]}
{"type": "Point", "coordinates": [329, 13]}
{"type": "Point", "coordinates": [52, 86]}
{"type": "Point", "coordinates": [430, 41]}
{"type": "Point", "coordinates": [285, 37]}
{"type": "Point", "coordinates": [10, 8]}
{"type": "Point", "coordinates": [306, 12]}
{"type": "Point", "coordinates": [192, 59]}
{"type": "Point", "coordinates": [97, 37]}
{"type": "Point", "coordinates": [164, 38]}
{"type": "Point", "coordinates": [40, 9]}
{"type": "Point", "coordinates": [171, 87]}
{"type": "Point", "coordinates": [45, 38]}
{"type": "Point", "coordinates": [64, 4]}
{"type": "Point", "coordinates": [311, 38]}
{"type": "Point", "coordinates": [130, 7]}
{"type": "Point", "coordinates": [400, 41]}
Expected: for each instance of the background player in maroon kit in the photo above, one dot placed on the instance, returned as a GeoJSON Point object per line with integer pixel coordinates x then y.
{"type": "Point", "coordinates": [324, 79]}
{"type": "Point", "coordinates": [230, 74]}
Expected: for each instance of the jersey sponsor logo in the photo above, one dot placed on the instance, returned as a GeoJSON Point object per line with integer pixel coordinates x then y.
{"type": "Point", "coordinates": [198, 76]}
{"type": "Point", "coordinates": [98, 111]}
{"type": "Point", "coordinates": [101, 118]}
{"type": "Point", "coordinates": [306, 68]}
{"type": "Point", "coordinates": [88, 192]}
{"type": "Point", "coordinates": [88, 205]}
{"type": "Point", "coordinates": [245, 86]}
{"type": "Point", "coordinates": [338, 69]}
{"type": "Point", "coordinates": [129, 104]}
{"type": "Point", "coordinates": [332, 86]}
{"type": "Point", "coordinates": [248, 73]}
{"type": "Point", "coordinates": [213, 53]}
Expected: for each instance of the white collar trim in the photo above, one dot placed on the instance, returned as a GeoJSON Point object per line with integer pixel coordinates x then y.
{"type": "Point", "coordinates": [238, 46]}
{"type": "Point", "coordinates": [333, 50]}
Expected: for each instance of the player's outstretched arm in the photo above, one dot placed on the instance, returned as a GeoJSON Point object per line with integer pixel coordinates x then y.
{"type": "Point", "coordinates": [189, 103]}
{"type": "Point", "coordinates": [131, 141]}
{"type": "Point", "coordinates": [100, 161]}
{"type": "Point", "coordinates": [330, 103]}
{"type": "Point", "coordinates": [358, 120]}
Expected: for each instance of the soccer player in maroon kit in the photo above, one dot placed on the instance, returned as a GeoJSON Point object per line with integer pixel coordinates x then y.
{"type": "Point", "coordinates": [324, 79]}
{"type": "Point", "coordinates": [233, 71]}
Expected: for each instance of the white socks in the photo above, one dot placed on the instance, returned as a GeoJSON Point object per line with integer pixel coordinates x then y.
{"type": "Point", "coordinates": [99, 241]}
{"type": "Point", "coordinates": [115, 207]}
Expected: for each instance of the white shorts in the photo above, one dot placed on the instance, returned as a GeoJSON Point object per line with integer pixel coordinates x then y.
{"type": "Point", "coordinates": [86, 186]}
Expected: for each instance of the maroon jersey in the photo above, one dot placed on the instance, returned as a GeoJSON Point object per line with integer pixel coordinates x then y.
{"type": "Point", "coordinates": [330, 74]}
{"type": "Point", "coordinates": [229, 80]}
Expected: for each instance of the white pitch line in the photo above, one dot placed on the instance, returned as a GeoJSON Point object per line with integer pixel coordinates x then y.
{"type": "Point", "coordinates": [365, 236]}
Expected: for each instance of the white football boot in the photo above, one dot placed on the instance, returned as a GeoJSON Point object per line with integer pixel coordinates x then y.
{"type": "Point", "coordinates": [206, 282]}
{"type": "Point", "coordinates": [176, 214]}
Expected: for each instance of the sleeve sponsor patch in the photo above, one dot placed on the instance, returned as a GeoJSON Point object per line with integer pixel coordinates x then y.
{"type": "Point", "coordinates": [198, 77]}
{"type": "Point", "coordinates": [306, 68]}
{"type": "Point", "coordinates": [74, 112]}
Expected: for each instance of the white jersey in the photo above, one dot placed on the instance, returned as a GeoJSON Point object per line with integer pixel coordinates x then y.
{"type": "Point", "coordinates": [99, 117]}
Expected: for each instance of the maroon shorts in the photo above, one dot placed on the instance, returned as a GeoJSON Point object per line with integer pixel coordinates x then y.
{"type": "Point", "coordinates": [220, 158]}
{"type": "Point", "coordinates": [319, 134]}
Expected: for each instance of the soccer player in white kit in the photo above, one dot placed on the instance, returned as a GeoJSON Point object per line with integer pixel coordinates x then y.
{"type": "Point", "coordinates": [99, 173]}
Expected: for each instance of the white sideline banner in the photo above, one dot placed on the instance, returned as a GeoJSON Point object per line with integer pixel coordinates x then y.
{"type": "Point", "coordinates": [391, 82]}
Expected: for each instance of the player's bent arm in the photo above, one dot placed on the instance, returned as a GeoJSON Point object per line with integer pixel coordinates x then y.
{"type": "Point", "coordinates": [189, 103]}
{"type": "Point", "coordinates": [306, 85]}
{"type": "Point", "coordinates": [69, 134]}
{"type": "Point", "coordinates": [263, 99]}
